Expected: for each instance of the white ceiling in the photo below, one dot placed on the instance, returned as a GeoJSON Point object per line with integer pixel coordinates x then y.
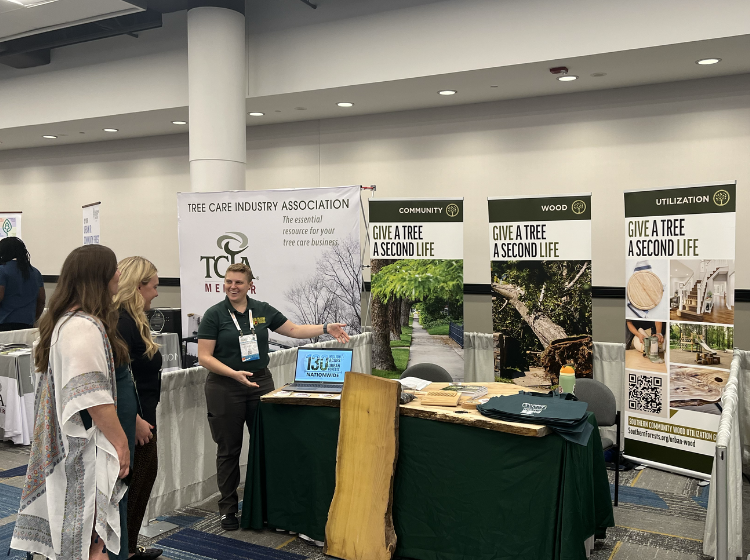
{"type": "Point", "coordinates": [17, 21]}
{"type": "Point", "coordinates": [670, 63]}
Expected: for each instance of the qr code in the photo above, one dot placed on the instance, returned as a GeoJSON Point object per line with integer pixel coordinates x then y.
{"type": "Point", "coordinates": [645, 393]}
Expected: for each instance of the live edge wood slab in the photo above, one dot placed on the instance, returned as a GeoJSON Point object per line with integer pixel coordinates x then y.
{"type": "Point", "coordinates": [360, 520]}
{"type": "Point", "coordinates": [437, 413]}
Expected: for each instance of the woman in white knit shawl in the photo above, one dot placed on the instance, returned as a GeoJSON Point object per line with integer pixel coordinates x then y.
{"type": "Point", "coordinates": [79, 453]}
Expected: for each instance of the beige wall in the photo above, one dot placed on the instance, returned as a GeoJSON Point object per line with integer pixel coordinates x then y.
{"type": "Point", "coordinates": [603, 142]}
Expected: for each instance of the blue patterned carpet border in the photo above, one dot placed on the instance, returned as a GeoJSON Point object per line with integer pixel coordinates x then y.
{"type": "Point", "coordinates": [205, 545]}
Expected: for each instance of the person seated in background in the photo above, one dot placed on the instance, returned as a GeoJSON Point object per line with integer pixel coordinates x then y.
{"type": "Point", "coordinates": [22, 295]}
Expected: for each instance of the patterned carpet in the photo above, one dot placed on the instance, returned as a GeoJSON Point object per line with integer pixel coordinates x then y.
{"type": "Point", "coordinates": [661, 516]}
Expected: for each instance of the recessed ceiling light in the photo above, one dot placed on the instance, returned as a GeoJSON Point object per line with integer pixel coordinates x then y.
{"type": "Point", "coordinates": [707, 61]}
{"type": "Point", "coordinates": [345, 104]}
{"type": "Point", "coordinates": [567, 78]}
{"type": "Point", "coordinates": [448, 92]}
{"type": "Point", "coordinates": [49, 136]}
{"type": "Point", "coordinates": [256, 114]}
{"type": "Point", "coordinates": [179, 122]}
{"type": "Point", "coordinates": [110, 130]}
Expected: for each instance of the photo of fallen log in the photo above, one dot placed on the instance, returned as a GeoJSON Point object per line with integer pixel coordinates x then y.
{"type": "Point", "coordinates": [696, 387]}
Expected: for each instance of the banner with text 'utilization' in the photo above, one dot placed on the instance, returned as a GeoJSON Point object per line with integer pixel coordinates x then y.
{"type": "Point", "coordinates": [540, 253]}
{"type": "Point", "coordinates": [302, 245]}
{"type": "Point", "coordinates": [679, 322]}
{"type": "Point", "coordinates": [416, 252]}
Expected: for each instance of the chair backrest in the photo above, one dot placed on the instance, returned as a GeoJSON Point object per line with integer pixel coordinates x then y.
{"type": "Point", "coordinates": [599, 398]}
{"type": "Point", "coordinates": [428, 372]}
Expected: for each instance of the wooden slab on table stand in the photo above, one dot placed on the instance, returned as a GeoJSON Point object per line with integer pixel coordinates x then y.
{"type": "Point", "coordinates": [360, 520]}
{"type": "Point", "coordinates": [440, 414]}
{"type": "Point", "coordinates": [471, 416]}
{"type": "Point", "coordinates": [645, 290]}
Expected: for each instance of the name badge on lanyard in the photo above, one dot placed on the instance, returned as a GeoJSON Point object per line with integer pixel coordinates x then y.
{"type": "Point", "coordinates": [248, 342]}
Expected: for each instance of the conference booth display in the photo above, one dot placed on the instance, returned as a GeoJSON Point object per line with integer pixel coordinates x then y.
{"type": "Point", "coordinates": [449, 469]}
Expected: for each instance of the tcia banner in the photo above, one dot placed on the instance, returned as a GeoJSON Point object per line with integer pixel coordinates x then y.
{"type": "Point", "coordinates": [416, 251]}
{"type": "Point", "coordinates": [679, 322]}
{"type": "Point", "coordinates": [540, 253]}
{"type": "Point", "coordinates": [10, 224]}
{"type": "Point", "coordinates": [91, 224]}
{"type": "Point", "coordinates": [302, 245]}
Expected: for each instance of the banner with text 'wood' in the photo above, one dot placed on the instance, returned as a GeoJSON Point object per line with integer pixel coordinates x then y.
{"type": "Point", "coordinates": [540, 253]}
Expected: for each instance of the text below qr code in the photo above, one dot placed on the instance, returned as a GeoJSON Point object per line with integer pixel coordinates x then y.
{"type": "Point", "coordinates": [645, 393]}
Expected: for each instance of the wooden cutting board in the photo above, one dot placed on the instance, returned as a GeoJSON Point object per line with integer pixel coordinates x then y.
{"type": "Point", "coordinates": [441, 398]}
{"type": "Point", "coordinates": [645, 290]}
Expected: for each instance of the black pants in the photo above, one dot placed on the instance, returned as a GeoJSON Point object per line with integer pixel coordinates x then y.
{"type": "Point", "coordinates": [231, 406]}
{"type": "Point", "coordinates": [145, 468]}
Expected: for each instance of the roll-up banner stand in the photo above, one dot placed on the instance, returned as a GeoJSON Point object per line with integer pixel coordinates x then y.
{"type": "Point", "coordinates": [679, 322]}
{"type": "Point", "coordinates": [302, 245]}
{"type": "Point", "coordinates": [91, 223]}
{"type": "Point", "coordinates": [540, 253]}
{"type": "Point", "coordinates": [10, 224]}
{"type": "Point", "coordinates": [416, 252]}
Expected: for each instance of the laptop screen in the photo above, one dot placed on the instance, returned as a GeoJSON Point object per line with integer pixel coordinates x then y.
{"type": "Point", "coordinates": [323, 364]}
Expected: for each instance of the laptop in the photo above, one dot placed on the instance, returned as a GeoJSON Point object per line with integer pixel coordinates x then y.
{"type": "Point", "coordinates": [321, 370]}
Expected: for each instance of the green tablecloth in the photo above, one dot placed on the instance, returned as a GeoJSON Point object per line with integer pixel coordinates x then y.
{"type": "Point", "coordinates": [459, 493]}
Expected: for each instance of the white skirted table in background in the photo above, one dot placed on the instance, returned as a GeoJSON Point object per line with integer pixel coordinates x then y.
{"type": "Point", "coordinates": [16, 397]}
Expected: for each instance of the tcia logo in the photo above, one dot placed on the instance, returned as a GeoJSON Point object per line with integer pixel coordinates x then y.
{"type": "Point", "coordinates": [232, 243]}
{"type": "Point", "coordinates": [721, 197]}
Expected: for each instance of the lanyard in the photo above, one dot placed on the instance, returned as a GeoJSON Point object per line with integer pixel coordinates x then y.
{"type": "Point", "coordinates": [236, 324]}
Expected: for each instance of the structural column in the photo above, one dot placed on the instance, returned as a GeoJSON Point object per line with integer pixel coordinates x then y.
{"type": "Point", "coordinates": [216, 88]}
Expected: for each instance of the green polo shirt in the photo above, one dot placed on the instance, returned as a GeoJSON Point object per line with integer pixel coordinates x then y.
{"type": "Point", "coordinates": [217, 325]}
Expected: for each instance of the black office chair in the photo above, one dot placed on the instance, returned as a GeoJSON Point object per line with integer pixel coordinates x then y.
{"type": "Point", "coordinates": [428, 372]}
{"type": "Point", "coordinates": [601, 401]}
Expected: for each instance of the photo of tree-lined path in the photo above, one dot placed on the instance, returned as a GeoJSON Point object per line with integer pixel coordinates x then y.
{"type": "Point", "coordinates": [541, 315]}
{"type": "Point", "coordinates": [434, 290]}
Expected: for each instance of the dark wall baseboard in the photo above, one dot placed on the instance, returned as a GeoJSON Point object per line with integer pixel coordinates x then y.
{"type": "Point", "coordinates": [597, 292]}
{"type": "Point", "coordinates": [174, 282]}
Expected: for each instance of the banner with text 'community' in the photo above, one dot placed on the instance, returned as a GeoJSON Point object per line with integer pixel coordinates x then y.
{"type": "Point", "coordinates": [540, 253]}
{"type": "Point", "coordinates": [302, 245]}
{"type": "Point", "coordinates": [416, 252]}
{"type": "Point", "coordinates": [679, 322]}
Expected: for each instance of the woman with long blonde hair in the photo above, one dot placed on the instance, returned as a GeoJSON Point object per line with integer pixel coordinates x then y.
{"type": "Point", "coordinates": [85, 406]}
{"type": "Point", "coordinates": [138, 287]}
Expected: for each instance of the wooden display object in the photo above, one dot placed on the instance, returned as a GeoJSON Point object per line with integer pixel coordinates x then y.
{"type": "Point", "coordinates": [440, 414]}
{"type": "Point", "coordinates": [441, 398]}
{"type": "Point", "coordinates": [645, 290]}
{"type": "Point", "coordinates": [360, 520]}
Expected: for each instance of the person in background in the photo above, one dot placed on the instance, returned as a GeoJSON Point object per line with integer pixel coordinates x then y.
{"type": "Point", "coordinates": [236, 379]}
{"type": "Point", "coordinates": [71, 501]}
{"type": "Point", "coordinates": [138, 287]}
{"type": "Point", "coordinates": [637, 330]}
{"type": "Point", "coordinates": [22, 295]}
